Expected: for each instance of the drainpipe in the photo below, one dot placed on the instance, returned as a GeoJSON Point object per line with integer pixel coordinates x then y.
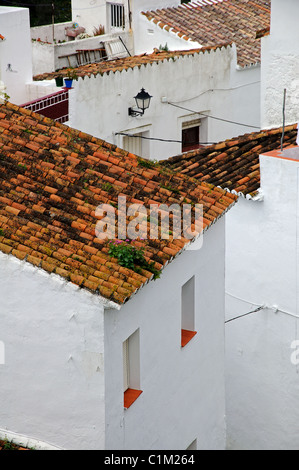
{"type": "Point", "coordinates": [2, 86]}
{"type": "Point", "coordinates": [130, 14]}
{"type": "Point", "coordinates": [53, 21]}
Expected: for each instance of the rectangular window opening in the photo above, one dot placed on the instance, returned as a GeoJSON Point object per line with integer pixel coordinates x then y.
{"type": "Point", "coordinates": [188, 312]}
{"type": "Point", "coordinates": [191, 135]}
{"type": "Point", "coordinates": [131, 369]}
{"type": "Point", "coordinates": [137, 143]}
{"type": "Point", "coordinates": [117, 15]}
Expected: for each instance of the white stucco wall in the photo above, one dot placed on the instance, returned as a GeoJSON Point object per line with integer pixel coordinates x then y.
{"type": "Point", "coordinates": [53, 57]}
{"type": "Point", "coordinates": [182, 388]}
{"type": "Point", "coordinates": [262, 262]}
{"type": "Point", "coordinates": [280, 65]}
{"type": "Point", "coordinates": [51, 33]}
{"type": "Point", "coordinates": [93, 13]}
{"type": "Point", "coordinates": [52, 382]}
{"type": "Point", "coordinates": [16, 51]}
{"type": "Point", "coordinates": [207, 82]}
{"type": "Point", "coordinates": [43, 58]}
{"type": "Point", "coordinates": [148, 35]}
{"type": "Point", "coordinates": [59, 343]}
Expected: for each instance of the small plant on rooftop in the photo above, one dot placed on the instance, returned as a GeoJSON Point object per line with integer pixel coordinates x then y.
{"type": "Point", "coordinates": [83, 36]}
{"type": "Point", "coordinates": [1, 232]}
{"type": "Point", "coordinates": [131, 257]}
{"type": "Point", "coordinates": [146, 163]}
{"type": "Point", "coordinates": [22, 166]}
{"type": "Point", "coordinates": [8, 445]}
{"type": "Point", "coordinates": [169, 188]}
{"type": "Point", "coordinates": [4, 97]}
{"type": "Point", "coordinates": [164, 48]}
{"type": "Point", "coordinates": [71, 74]}
{"type": "Point", "coordinates": [98, 30]}
{"type": "Point", "coordinates": [107, 187]}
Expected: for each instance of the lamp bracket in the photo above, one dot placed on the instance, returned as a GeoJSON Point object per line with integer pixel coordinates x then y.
{"type": "Point", "coordinates": [135, 112]}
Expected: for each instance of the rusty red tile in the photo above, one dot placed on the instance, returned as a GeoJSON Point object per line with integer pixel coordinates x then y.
{"type": "Point", "coordinates": [47, 210]}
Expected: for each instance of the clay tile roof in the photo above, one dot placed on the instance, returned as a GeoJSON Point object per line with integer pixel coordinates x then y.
{"type": "Point", "coordinates": [126, 63]}
{"type": "Point", "coordinates": [234, 163]}
{"type": "Point", "coordinates": [219, 22]}
{"type": "Point", "coordinates": [52, 179]}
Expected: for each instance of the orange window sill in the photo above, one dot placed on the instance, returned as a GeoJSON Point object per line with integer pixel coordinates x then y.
{"type": "Point", "coordinates": [187, 336]}
{"type": "Point", "coordinates": [130, 396]}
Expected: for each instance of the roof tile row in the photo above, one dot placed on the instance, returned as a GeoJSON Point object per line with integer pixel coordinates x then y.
{"type": "Point", "coordinates": [53, 178]}
{"type": "Point", "coordinates": [126, 62]}
{"type": "Point", "coordinates": [219, 22]}
{"type": "Point", "coordinates": [234, 163]}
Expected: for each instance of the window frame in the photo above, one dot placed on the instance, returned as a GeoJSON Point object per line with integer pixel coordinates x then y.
{"type": "Point", "coordinates": [188, 311]}
{"type": "Point", "coordinates": [131, 369]}
{"type": "Point", "coordinates": [117, 15]}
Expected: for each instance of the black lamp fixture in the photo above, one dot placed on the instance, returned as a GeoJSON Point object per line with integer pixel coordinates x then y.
{"type": "Point", "coordinates": [143, 100]}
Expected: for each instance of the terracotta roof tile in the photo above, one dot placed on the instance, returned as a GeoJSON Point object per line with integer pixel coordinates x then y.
{"type": "Point", "coordinates": [49, 195]}
{"type": "Point", "coordinates": [126, 63]}
{"type": "Point", "coordinates": [232, 164]}
{"type": "Point", "coordinates": [219, 22]}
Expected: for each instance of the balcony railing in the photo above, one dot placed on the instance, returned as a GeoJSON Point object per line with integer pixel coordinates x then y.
{"type": "Point", "coordinates": [54, 106]}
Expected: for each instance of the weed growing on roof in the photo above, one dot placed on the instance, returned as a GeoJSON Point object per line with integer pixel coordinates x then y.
{"type": "Point", "coordinates": [146, 163]}
{"type": "Point", "coordinates": [131, 257]}
{"type": "Point", "coordinates": [9, 445]}
{"type": "Point", "coordinates": [107, 187]}
{"type": "Point", "coordinates": [22, 166]}
{"type": "Point", "coordinates": [1, 232]}
{"type": "Point", "coordinates": [169, 188]}
{"type": "Point", "coordinates": [164, 48]}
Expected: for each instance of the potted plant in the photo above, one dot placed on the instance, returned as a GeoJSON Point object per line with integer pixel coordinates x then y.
{"type": "Point", "coordinates": [70, 76]}
{"type": "Point", "coordinates": [59, 80]}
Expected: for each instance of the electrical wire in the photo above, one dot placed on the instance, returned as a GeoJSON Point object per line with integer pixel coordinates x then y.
{"type": "Point", "coordinates": [212, 117]}
{"type": "Point", "coordinates": [162, 140]}
{"type": "Point", "coordinates": [216, 89]}
{"type": "Point", "coordinates": [245, 314]}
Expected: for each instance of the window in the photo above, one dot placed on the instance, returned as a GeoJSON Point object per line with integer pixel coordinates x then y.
{"type": "Point", "coordinates": [137, 143]}
{"type": "Point", "coordinates": [191, 135]}
{"type": "Point", "coordinates": [117, 15]}
{"type": "Point", "coordinates": [131, 369]}
{"type": "Point", "coordinates": [188, 312]}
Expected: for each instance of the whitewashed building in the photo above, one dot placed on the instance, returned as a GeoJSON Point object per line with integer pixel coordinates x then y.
{"type": "Point", "coordinates": [223, 103]}
{"type": "Point", "coordinates": [280, 64]}
{"type": "Point", "coordinates": [262, 275]}
{"type": "Point", "coordinates": [214, 96]}
{"type": "Point", "coordinates": [184, 112]}
{"type": "Point", "coordinates": [261, 283]}
{"type": "Point", "coordinates": [99, 355]}
{"type": "Point", "coordinates": [15, 52]}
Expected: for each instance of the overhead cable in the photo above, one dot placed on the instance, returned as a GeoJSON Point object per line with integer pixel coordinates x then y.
{"type": "Point", "coordinates": [161, 140]}
{"type": "Point", "coordinates": [212, 117]}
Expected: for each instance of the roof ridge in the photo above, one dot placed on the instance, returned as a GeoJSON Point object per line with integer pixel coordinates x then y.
{"type": "Point", "coordinates": [157, 55]}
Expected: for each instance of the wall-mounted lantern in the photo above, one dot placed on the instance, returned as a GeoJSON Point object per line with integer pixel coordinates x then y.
{"type": "Point", "coordinates": [143, 100]}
